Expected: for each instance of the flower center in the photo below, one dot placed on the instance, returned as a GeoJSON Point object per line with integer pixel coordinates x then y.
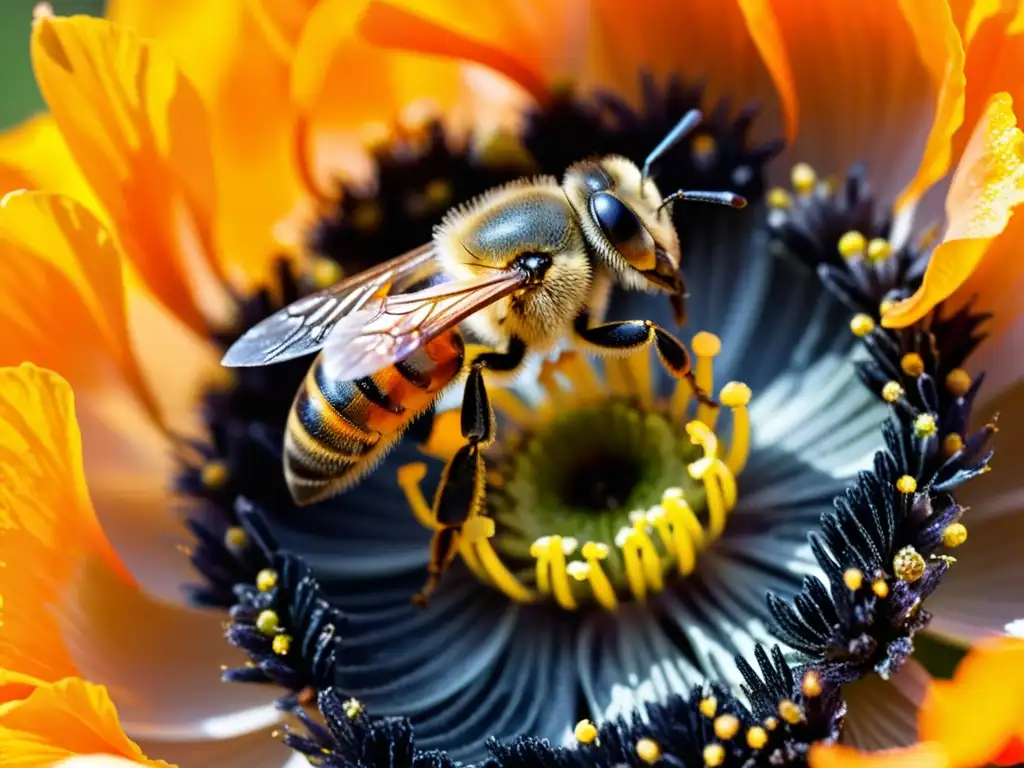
{"type": "Point", "coordinates": [601, 492]}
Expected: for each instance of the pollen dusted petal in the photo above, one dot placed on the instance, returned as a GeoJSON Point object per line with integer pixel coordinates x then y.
{"type": "Point", "coordinates": [47, 523]}
{"type": "Point", "coordinates": [34, 155]}
{"type": "Point", "coordinates": [61, 720]}
{"type": "Point", "coordinates": [138, 130]}
{"type": "Point", "coordinates": [63, 303]}
{"type": "Point", "coordinates": [987, 186]}
{"type": "Point", "coordinates": [852, 73]}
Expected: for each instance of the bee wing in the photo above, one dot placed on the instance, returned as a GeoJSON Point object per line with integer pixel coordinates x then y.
{"type": "Point", "coordinates": [378, 336]}
{"type": "Point", "coordinates": [303, 326]}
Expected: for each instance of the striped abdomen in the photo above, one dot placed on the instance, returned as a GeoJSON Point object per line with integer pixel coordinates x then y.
{"type": "Point", "coordinates": [338, 430]}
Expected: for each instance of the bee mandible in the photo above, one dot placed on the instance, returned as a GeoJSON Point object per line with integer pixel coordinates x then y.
{"type": "Point", "coordinates": [520, 268]}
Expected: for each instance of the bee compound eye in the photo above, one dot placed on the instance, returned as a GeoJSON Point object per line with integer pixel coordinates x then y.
{"type": "Point", "coordinates": [623, 229]}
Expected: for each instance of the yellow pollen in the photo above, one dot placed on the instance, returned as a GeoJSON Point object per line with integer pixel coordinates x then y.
{"type": "Point", "coordinates": [954, 535]}
{"type": "Point", "coordinates": [266, 580]}
{"type": "Point", "coordinates": [852, 245]}
{"type": "Point", "coordinates": [214, 474]}
{"type": "Point", "coordinates": [703, 146]}
{"type": "Point", "coordinates": [885, 305]}
{"type": "Point", "coordinates": [714, 755]}
{"type": "Point", "coordinates": [958, 382]}
{"type": "Point", "coordinates": [880, 588]}
{"type": "Point", "coordinates": [585, 732]}
{"type": "Point", "coordinates": [906, 484]}
{"type": "Point", "coordinates": [708, 706]}
{"type": "Point", "coordinates": [912, 364]}
{"type": "Point", "coordinates": [892, 391]}
{"type": "Point", "coordinates": [771, 723]}
{"type": "Point", "coordinates": [862, 325]}
{"type": "Point", "coordinates": [810, 686]}
{"type": "Point", "coordinates": [282, 644]}
{"type": "Point", "coordinates": [925, 425]}
{"type": "Point", "coordinates": [727, 726]}
{"type": "Point", "coordinates": [790, 711]}
{"type": "Point", "coordinates": [879, 250]}
{"type": "Point", "coordinates": [366, 216]}
{"type": "Point", "coordinates": [706, 344]}
{"type": "Point", "coordinates": [648, 751]}
{"type": "Point", "coordinates": [235, 538]}
{"type": "Point", "coordinates": [267, 622]}
{"type": "Point", "coordinates": [353, 708]}
{"type": "Point", "coordinates": [803, 178]}
{"type": "Point", "coordinates": [757, 737]}
{"type": "Point", "coordinates": [908, 565]}
{"type": "Point", "coordinates": [952, 444]}
{"type": "Point", "coordinates": [853, 579]}
{"type": "Point", "coordinates": [325, 273]}
{"type": "Point", "coordinates": [779, 198]}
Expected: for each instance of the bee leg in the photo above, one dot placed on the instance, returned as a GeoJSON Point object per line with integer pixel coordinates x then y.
{"type": "Point", "coordinates": [463, 488]}
{"type": "Point", "coordinates": [626, 335]}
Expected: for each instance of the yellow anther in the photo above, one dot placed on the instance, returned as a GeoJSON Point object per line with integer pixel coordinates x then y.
{"type": "Point", "coordinates": [862, 325]}
{"type": "Point", "coordinates": [266, 580]}
{"type": "Point", "coordinates": [925, 425]}
{"type": "Point", "coordinates": [235, 539]}
{"type": "Point", "coordinates": [790, 711]}
{"type": "Point", "coordinates": [771, 723]}
{"type": "Point", "coordinates": [810, 685]}
{"type": "Point", "coordinates": [879, 249]}
{"type": "Point", "coordinates": [735, 394]}
{"type": "Point", "coordinates": [214, 474]}
{"type": "Point", "coordinates": [885, 305]}
{"type": "Point", "coordinates": [852, 245]}
{"type": "Point", "coordinates": [585, 732]}
{"type": "Point", "coordinates": [757, 737]}
{"type": "Point", "coordinates": [325, 273]}
{"type": "Point", "coordinates": [853, 579]}
{"type": "Point", "coordinates": [648, 751]}
{"type": "Point", "coordinates": [625, 540]}
{"type": "Point", "coordinates": [703, 146]}
{"type": "Point", "coordinates": [714, 755]}
{"type": "Point", "coordinates": [267, 622]}
{"type": "Point", "coordinates": [912, 364]}
{"type": "Point", "coordinates": [779, 198]}
{"type": "Point", "coordinates": [708, 706]}
{"type": "Point", "coordinates": [908, 565]}
{"type": "Point", "coordinates": [906, 484]}
{"type": "Point", "coordinates": [892, 391]}
{"type": "Point", "coordinates": [706, 344]}
{"type": "Point", "coordinates": [594, 552]}
{"type": "Point", "coordinates": [954, 535]}
{"type": "Point", "coordinates": [952, 444]}
{"type": "Point", "coordinates": [366, 216]}
{"type": "Point", "coordinates": [958, 382]}
{"type": "Point", "coordinates": [353, 708]}
{"type": "Point", "coordinates": [803, 178]}
{"type": "Point", "coordinates": [282, 644]}
{"type": "Point", "coordinates": [726, 726]}
{"type": "Point", "coordinates": [880, 588]}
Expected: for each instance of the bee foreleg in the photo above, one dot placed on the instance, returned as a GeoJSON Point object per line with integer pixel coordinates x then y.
{"type": "Point", "coordinates": [633, 335]}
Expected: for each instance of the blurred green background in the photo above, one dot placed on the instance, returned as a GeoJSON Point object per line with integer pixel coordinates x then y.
{"type": "Point", "coordinates": [19, 96]}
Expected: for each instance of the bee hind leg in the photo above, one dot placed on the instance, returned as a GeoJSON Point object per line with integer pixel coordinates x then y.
{"type": "Point", "coordinates": [626, 335]}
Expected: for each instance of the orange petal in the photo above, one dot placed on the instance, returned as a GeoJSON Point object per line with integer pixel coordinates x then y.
{"type": "Point", "coordinates": [987, 185]}
{"type": "Point", "coordinates": [917, 756]}
{"type": "Point", "coordinates": [939, 46]}
{"type": "Point", "coordinates": [138, 130]}
{"type": "Point", "coordinates": [61, 720]}
{"type": "Point", "coordinates": [852, 72]}
{"type": "Point", "coordinates": [977, 714]}
{"type": "Point", "coordinates": [62, 294]}
{"type": "Point", "coordinates": [34, 155]}
{"type": "Point", "coordinates": [47, 523]}
{"type": "Point", "coordinates": [282, 21]}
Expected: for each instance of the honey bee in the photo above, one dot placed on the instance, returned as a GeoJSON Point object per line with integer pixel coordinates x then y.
{"type": "Point", "coordinates": [519, 269]}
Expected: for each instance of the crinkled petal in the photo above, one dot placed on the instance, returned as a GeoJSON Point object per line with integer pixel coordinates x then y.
{"type": "Point", "coordinates": [138, 130]}
{"type": "Point", "coordinates": [63, 719]}
{"type": "Point", "coordinates": [987, 186]}
{"type": "Point", "coordinates": [47, 524]}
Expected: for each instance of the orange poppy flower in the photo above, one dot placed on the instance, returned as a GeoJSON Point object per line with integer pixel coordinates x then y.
{"type": "Point", "coordinates": [126, 275]}
{"type": "Point", "coordinates": [975, 719]}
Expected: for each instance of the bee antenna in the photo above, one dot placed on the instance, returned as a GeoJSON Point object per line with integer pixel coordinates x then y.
{"type": "Point", "coordinates": [720, 198]}
{"type": "Point", "coordinates": [690, 121]}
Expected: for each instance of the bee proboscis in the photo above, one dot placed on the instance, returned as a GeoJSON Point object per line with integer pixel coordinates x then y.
{"type": "Point", "coordinates": [520, 268]}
